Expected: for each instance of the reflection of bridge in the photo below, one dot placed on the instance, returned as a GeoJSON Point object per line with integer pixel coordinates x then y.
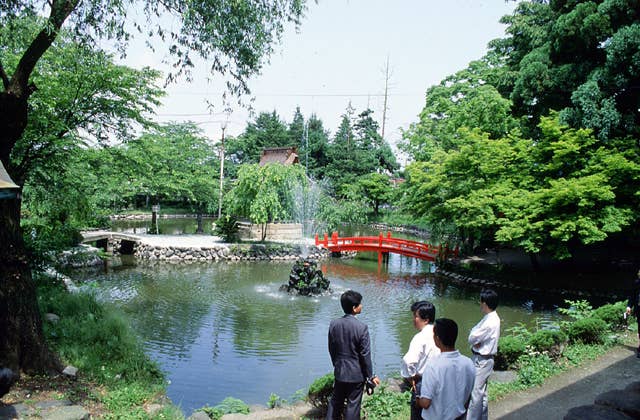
{"type": "Point", "coordinates": [105, 240]}
{"type": "Point", "coordinates": [384, 245]}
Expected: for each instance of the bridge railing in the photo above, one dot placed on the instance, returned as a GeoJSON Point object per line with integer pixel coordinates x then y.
{"type": "Point", "coordinates": [386, 243]}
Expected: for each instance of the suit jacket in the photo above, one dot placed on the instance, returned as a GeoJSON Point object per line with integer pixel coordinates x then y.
{"type": "Point", "coordinates": [349, 347]}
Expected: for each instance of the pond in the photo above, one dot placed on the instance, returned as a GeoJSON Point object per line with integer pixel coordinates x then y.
{"type": "Point", "coordinates": [224, 329]}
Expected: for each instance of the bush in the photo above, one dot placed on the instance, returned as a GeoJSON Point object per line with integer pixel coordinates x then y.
{"type": "Point", "coordinates": [550, 341]}
{"type": "Point", "coordinates": [227, 228]}
{"type": "Point", "coordinates": [612, 315]}
{"type": "Point", "coordinates": [385, 404]}
{"type": "Point", "coordinates": [534, 369]}
{"type": "Point", "coordinates": [320, 392]}
{"type": "Point", "coordinates": [510, 348]}
{"type": "Point", "coordinates": [587, 331]}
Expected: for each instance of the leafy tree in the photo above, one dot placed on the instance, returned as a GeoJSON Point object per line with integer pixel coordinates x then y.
{"type": "Point", "coordinates": [318, 147]}
{"type": "Point", "coordinates": [376, 188]}
{"type": "Point", "coordinates": [263, 194]}
{"type": "Point", "coordinates": [463, 100]}
{"type": "Point", "coordinates": [176, 163]}
{"type": "Point", "coordinates": [266, 131]}
{"type": "Point", "coordinates": [357, 149]}
{"type": "Point", "coordinates": [296, 129]}
{"type": "Point", "coordinates": [577, 57]}
{"type": "Point", "coordinates": [234, 36]}
{"type": "Point", "coordinates": [549, 194]}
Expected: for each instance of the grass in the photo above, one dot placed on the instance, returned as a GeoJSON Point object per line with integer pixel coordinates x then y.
{"type": "Point", "coordinates": [117, 378]}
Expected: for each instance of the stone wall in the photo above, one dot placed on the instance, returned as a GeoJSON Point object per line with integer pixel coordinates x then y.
{"type": "Point", "coordinates": [275, 231]}
{"type": "Point", "coordinates": [233, 252]}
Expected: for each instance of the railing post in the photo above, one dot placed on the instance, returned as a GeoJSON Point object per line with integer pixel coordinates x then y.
{"type": "Point", "coordinates": [334, 238]}
{"type": "Point", "coordinates": [326, 240]}
{"type": "Point", "coordinates": [380, 240]}
{"type": "Point", "coordinates": [388, 235]}
{"type": "Point", "coordinates": [316, 239]}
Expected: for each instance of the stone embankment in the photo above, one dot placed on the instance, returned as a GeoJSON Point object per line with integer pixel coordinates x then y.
{"type": "Point", "coordinates": [473, 281]}
{"type": "Point", "coordinates": [228, 252]}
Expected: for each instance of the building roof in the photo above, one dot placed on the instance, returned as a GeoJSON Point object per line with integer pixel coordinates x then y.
{"type": "Point", "coordinates": [283, 155]}
{"type": "Point", "coordinates": [5, 179]}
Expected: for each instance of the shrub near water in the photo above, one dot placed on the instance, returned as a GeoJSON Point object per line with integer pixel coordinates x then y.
{"type": "Point", "coordinates": [100, 343]}
{"type": "Point", "coordinates": [587, 331]}
{"type": "Point", "coordinates": [320, 391]}
{"type": "Point", "coordinates": [510, 348]}
{"type": "Point", "coordinates": [550, 341]}
{"type": "Point", "coordinates": [612, 315]}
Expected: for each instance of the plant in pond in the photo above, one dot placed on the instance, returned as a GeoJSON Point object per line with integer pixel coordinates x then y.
{"type": "Point", "coordinates": [305, 279]}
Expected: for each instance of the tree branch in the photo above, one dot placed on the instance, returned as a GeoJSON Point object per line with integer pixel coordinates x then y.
{"type": "Point", "coordinates": [5, 78]}
{"type": "Point", "coordinates": [60, 11]}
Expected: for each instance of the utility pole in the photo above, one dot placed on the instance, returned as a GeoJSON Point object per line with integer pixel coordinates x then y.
{"type": "Point", "coordinates": [386, 90]}
{"type": "Point", "coordinates": [221, 171]}
{"type": "Point", "coordinates": [306, 148]}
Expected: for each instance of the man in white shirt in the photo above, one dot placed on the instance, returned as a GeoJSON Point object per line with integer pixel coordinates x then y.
{"type": "Point", "coordinates": [421, 349]}
{"type": "Point", "coordinates": [483, 340]}
{"type": "Point", "coordinates": [448, 378]}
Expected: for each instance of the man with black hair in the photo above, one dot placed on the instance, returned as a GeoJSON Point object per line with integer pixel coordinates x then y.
{"type": "Point", "coordinates": [350, 351]}
{"type": "Point", "coordinates": [483, 340]}
{"type": "Point", "coordinates": [448, 378]}
{"type": "Point", "coordinates": [421, 349]}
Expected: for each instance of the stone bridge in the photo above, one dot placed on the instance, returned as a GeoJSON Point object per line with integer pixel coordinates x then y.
{"type": "Point", "coordinates": [123, 243]}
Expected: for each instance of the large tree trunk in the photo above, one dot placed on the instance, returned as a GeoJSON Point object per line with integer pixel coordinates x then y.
{"type": "Point", "coordinates": [22, 343]}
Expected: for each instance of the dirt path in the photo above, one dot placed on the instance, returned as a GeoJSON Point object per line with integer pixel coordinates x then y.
{"type": "Point", "coordinates": [579, 386]}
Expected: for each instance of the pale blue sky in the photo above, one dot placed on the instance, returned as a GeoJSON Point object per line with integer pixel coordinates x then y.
{"type": "Point", "coordinates": [338, 55]}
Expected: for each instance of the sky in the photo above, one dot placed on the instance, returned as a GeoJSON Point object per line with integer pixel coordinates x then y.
{"type": "Point", "coordinates": [338, 56]}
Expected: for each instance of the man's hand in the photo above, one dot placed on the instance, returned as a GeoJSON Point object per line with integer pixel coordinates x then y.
{"type": "Point", "coordinates": [423, 402]}
{"type": "Point", "coordinates": [375, 380]}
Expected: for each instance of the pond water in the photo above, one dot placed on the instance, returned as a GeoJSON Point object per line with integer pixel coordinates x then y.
{"type": "Point", "coordinates": [166, 226]}
{"type": "Point", "coordinates": [224, 329]}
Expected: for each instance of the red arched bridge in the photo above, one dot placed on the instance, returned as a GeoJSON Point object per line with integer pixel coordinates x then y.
{"type": "Point", "coordinates": [385, 244]}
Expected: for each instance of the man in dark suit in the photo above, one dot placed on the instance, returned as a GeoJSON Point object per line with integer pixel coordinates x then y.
{"type": "Point", "coordinates": [350, 350]}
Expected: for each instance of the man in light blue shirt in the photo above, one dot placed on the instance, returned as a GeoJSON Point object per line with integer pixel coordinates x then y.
{"type": "Point", "coordinates": [448, 379]}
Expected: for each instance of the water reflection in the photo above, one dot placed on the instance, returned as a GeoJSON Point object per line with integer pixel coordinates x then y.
{"type": "Point", "coordinates": [224, 329]}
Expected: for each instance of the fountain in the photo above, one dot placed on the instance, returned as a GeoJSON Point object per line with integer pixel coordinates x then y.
{"type": "Point", "coordinates": [305, 279]}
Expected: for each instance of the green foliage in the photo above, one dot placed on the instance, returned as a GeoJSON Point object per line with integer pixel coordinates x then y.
{"type": "Point", "coordinates": [510, 348]}
{"type": "Point", "coordinates": [385, 404]}
{"type": "Point", "coordinates": [266, 131]}
{"type": "Point", "coordinates": [320, 392]}
{"type": "Point", "coordinates": [534, 369]}
{"type": "Point", "coordinates": [98, 341]}
{"type": "Point", "coordinates": [227, 228]}
{"type": "Point", "coordinates": [275, 401]}
{"type": "Point", "coordinates": [263, 194]}
{"type": "Point", "coordinates": [550, 341]}
{"type": "Point", "coordinates": [357, 149]}
{"type": "Point", "coordinates": [578, 309]}
{"type": "Point", "coordinates": [229, 405]}
{"type": "Point", "coordinates": [612, 314]}
{"type": "Point", "coordinates": [587, 331]}
{"type": "Point", "coordinates": [376, 188]}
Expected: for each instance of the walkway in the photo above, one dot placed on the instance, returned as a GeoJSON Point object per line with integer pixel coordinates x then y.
{"type": "Point", "coordinates": [578, 386]}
